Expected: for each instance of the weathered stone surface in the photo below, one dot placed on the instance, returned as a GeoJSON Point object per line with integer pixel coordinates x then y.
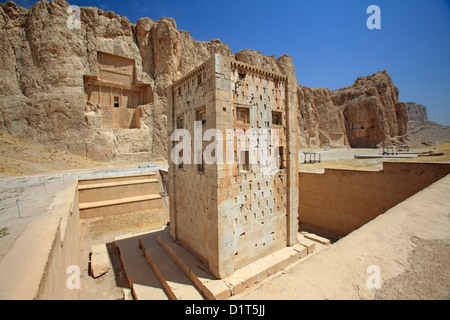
{"type": "Point", "coordinates": [44, 64]}
{"type": "Point", "coordinates": [373, 114]}
{"type": "Point", "coordinates": [232, 214]}
{"type": "Point", "coordinates": [364, 114]}
{"type": "Point", "coordinates": [417, 113]}
{"type": "Point", "coordinates": [99, 260]}
{"type": "Point", "coordinates": [321, 123]}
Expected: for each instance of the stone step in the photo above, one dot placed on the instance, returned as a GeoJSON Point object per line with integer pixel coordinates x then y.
{"type": "Point", "coordinates": [145, 176]}
{"type": "Point", "coordinates": [177, 285]}
{"type": "Point", "coordinates": [217, 289]}
{"type": "Point", "coordinates": [210, 287]}
{"type": "Point", "coordinates": [182, 276]}
{"type": "Point", "coordinates": [308, 243]}
{"type": "Point", "coordinates": [142, 280]}
{"type": "Point", "coordinates": [118, 206]}
{"type": "Point", "coordinates": [117, 189]}
{"type": "Point", "coordinates": [316, 238]}
{"type": "Point", "coordinates": [259, 270]}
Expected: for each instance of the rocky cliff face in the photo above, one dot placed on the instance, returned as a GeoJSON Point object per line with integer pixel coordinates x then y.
{"type": "Point", "coordinates": [417, 113]}
{"type": "Point", "coordinates": [44, 63]}
{"type": "Point", "coordinates": [364, 114]}
{"type": "Point", "coordinates": [422, 130]}
{"type": "Point", "coordinates": [321, 122]}
{"type": "Point", "coordinates": [373, 115]}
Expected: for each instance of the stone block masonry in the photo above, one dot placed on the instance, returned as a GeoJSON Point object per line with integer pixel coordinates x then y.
{"type": "Point", "coordinates": [230, 214]}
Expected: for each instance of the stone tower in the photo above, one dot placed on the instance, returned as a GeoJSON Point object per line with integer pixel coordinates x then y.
{"type": "Point", "coordinates": [233, 163]}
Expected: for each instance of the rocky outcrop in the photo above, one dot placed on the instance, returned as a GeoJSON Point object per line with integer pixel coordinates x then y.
{"type": "Point", "coordinates": [44, 64]}
{"type": "Point", "coordinates": [320, 121]}
{"type": "Point", "coordinates": [42, 85]}
{"type": "Point", "coordinates": [417, 113]}
{"type": "Point", "coordinates": [364, 114]}
{"type": "Point", "coordinates": [423, 131]}
{"type": "Point", "coordinates": [282, 64]}
{"type": "Point", "coordinates": [373, 114]}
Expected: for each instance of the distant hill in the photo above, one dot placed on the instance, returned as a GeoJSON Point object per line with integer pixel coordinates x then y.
{"type": "Point", "coordinates": [421, 129]}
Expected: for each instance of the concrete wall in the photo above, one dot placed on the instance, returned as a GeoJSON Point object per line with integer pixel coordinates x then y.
{"type": "Point", "coordinates": [341, 201]}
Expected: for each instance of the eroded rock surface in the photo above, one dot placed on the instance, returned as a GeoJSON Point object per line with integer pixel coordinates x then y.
{"type": "Point", "coordinates": [45, 65]}
{"type": "Point", "coordinates": [422, 130]}
{"type": "Point", "coordinates": [373, 114]}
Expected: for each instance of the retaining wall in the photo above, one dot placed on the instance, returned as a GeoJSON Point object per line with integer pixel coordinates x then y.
{"type": "Point", "coordinates": [35, 267]}
{"type": "Point", "coordinates": [341, 201]}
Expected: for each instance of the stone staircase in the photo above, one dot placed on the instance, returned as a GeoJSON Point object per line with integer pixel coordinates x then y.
{"type": "Point", "coordinates": [159, 268]}
{"type": "Point", "coordinates": [175, 282]}
{"type": "Point", "coordinates": [99, 197]}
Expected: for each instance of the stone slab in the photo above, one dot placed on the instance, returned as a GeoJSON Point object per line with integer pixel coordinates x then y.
{"type": "Point", "coordinates": [117, 190]}
{"type": "Point", "coordinates": [302, 250]}
{"type": "Point", "coordinates": [261, 269]}
{"type": "Point", "coordinates": [118, 206]}
{"type": "Point", "coordinates": [114, 184]}
{"type": "Point", "coordinates": [116, 178]}
{"type": "Point", "coordinates": [99, 260]}
{"type": "Point", "coordinates": [309, 244]}
{"type": "Point", "coordinates": [106, 203]}
{"type": "Point", "coordinates": [316, 238]}
{"type": "Point", "coordinates": [142, 280]}
{"type": "Point", "coordinates": [176, 284]}
{"type": "Point", "coordinates": [211, 288]}
{"type": "Point", "coordinates": [215, 289]}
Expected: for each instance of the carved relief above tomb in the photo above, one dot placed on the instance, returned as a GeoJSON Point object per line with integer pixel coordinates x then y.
{"type": "Point", "coordinates": [114, 88]}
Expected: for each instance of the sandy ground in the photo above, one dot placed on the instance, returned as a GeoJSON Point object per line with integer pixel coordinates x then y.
{"type": "Point", "coordinates": [427, 276]}
{"type": "Point", "coordinates": [18, 157]}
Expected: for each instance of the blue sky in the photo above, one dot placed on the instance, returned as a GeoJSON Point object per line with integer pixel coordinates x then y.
{"type": "Point", "coordinates": [328, 40]}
